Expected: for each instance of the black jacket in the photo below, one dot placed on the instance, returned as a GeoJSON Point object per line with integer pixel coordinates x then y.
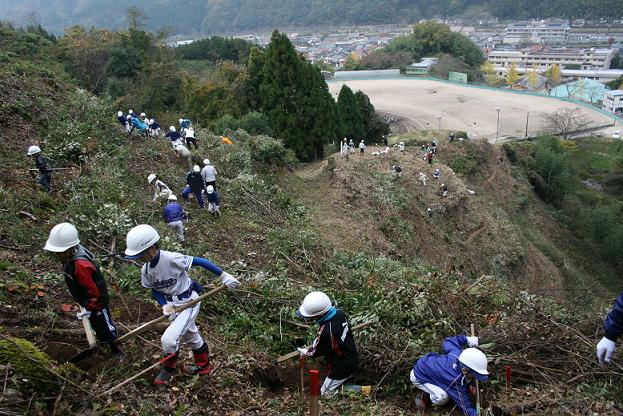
{"type": "Point", "coordinates": [42, 164]}
{"type": "Point", "coordinates": [195, 181]}
{"type": "Point", "coordinates": [85, 280]}
{"type": "Point", "coordinates": [336, 344]}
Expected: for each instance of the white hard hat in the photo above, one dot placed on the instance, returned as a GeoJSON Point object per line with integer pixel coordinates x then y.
{"type": "Point", "coordinates": [62, 237]}
{"type": "Point", "coordinates": [139, 239]}
{"type": "Point", "coordinates": [476, 360]}
{"type": "Point", "coordinates": [33, 150]}
{"type": "Point", "coordinates": [151, 177]}
{"type": "Point", "coordinates": [315, 303]}
{"type": "Point", "coordinates": [196, 168]}
{"type": "Point", "coordinates": [181, 119]}
{"type": "Point", "coordinates": [172, 128]}
{"type": "Point", "coordinates": [172, 198]}
{"type": "Point", "coordinates": [206, 161]}
{"type": "Point", "coordinates": [143, 115]}
{"type": "Point", "coordinates": [151, 121]}
{"type": "Point", "coordinates": [210, 189]}
{"type": "Point", "coordinates": [119, 113]}
{"type": "Point", "coordinates": [131, 112]}
{"type": "Point", "coordinates": [129, 117]}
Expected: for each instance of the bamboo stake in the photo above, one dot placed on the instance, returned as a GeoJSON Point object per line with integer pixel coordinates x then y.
{"type": "Point", "coordinates": [477, 386]}
{"type": "Point", "coordinates": [296, 353]}
{"type": "Point", "coordinates": [302, 370]}
{"type": "Point", "coordinates": [150, 324]}
{"type": "Point", "coordinates": [134, 377]}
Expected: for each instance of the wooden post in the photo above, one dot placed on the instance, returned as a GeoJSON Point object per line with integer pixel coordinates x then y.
{"type": "Point", "coordinates": [314, 392]}
{"type": "Point", "coordinates": [508, 381]}
{"type": "Point", "coordinates": [477, 386]}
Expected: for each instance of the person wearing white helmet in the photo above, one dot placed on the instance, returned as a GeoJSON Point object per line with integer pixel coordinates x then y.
{"type": "Point", "coordinates": [334, 342]}
{"type": "Point", "coordinates": [85, 282]}
{"type": "Point", "coordinates": [174, 136]}
{"type": "Point", "coordinates": [174, 215]}
{"type": "Point", "coordinates": [209, 173]}
{"type": "Point", "coordinates": [42, 164]}
{"type": "Point", "coordinates": [123, 120]}
{"type": "Point", "coordinates": [213, 201]}
{"type": "Point", "coordinates": [441, 377]}
{"type": "Point", "coordinates": [166, 274]}
{"type": "Point", "coordinates": [194, 184]}
{"type": "Point", "coordinates": [362, 148]}
{"type": "Point", "coordinates": [613, 329]}
{"type": "Point", "coordinates": [184, 123]}
{"type": "Point", "coordinates": [189, 136]}
{"type": "Point", "coordinates": [154, 128]}
{"type": "Point", "coordinates": [161, 190]}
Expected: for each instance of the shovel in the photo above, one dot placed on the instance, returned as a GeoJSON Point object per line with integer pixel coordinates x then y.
{"type": "Point", "coordinates": [86, 324]}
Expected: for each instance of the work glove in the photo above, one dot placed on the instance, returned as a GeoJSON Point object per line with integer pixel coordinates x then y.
{"type": "Point", "coordinates": [605, 349]}
{"type": "Point", "coordinates": [169, 310]}
{"type": "Point", "coordinates": [303, 352]}
{"type": "Point", "coordinates": [472, 341]}
{"type": "Point", "coordinates": [83, 312]}
{"type": "Point", "coordinates": [229, 280]}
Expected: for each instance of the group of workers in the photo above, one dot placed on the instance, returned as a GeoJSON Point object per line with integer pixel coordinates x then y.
{"type": "Point", "coordinates": [347, 148]}
{"type": "Point", "coordinates": [438, 377]}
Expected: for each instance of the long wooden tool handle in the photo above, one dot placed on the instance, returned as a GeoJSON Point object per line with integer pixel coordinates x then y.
{"type": "Point", "coordinates": [179, 309]}
{"type": "Point", "coordinates": [89, 331]}
{"type": "Point", "coordinates": [477, 386]}
{"type": "Point", "coordinates": [134, 377]}
{"type": "Point", "coordinates": [294, 354]}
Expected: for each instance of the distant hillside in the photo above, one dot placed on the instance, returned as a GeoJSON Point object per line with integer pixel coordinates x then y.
{"type": "Point", "coordinates": [227, 16]}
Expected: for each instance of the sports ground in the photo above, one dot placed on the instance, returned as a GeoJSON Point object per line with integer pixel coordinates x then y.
{"type": "Point", "coordinates": [417, 103]}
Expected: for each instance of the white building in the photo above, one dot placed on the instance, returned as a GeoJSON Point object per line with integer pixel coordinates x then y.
{"type": "Point", "coordinates": [545, 57]}
{"type": "Point", "coordinates": [613, 102]}
{"type": "Point", "coordinates": [601, 75]}
{"type": "Point", "coordinates": [536, 32]}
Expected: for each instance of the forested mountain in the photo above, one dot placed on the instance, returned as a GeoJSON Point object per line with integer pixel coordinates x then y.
{"type": "Point", "coordinates": [226, 16]}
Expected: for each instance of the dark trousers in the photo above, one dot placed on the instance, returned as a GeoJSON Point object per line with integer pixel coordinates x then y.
{"type": "Point", "coordinates": [44, 180]}
{"type": "Point", "coordinates": [102, 324]}
{"type": "Point", "coordinates": [192, 140]}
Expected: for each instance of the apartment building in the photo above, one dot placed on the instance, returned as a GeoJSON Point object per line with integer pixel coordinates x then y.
{"type": "Point", "coordinates": [522, 33]}
{"type": "Point", "coordinates": [543, 58]}
{"type": "Point", "coordinates": [613, 102]}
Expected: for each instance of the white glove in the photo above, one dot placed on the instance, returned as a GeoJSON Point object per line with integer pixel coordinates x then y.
{"type": "Point", "coordinates": [472, 341]}
{"type": "Point", "coordinates": [169, 310]}
{"type": "Point", "coordinates": [605, 349]}
{"type": "Point", "coordinates": [303, 352]}
{"type": "Point", "coordinates": [83, 313]}
{"type": "Point", "coordinates": [229, 280]}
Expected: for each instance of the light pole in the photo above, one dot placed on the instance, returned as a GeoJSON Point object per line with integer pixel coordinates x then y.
{"type": "Point", "coordinates": [497, 128]}
{"type": "Point", "coordinates": [439, 124]}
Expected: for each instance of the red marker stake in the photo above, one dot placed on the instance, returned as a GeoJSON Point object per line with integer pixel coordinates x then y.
{"type": "Point", "coordinates": [314, 392]}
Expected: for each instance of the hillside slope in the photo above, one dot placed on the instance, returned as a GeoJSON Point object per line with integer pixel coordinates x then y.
{"type": "Point", "coordinates": [228, 16]}
{"type": "Point", "coordinates": [348, 229]}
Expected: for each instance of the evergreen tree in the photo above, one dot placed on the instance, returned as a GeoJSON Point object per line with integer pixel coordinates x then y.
{"type": "Point", "coordinates": [375, 128]}
{"type": "Point", "coordinates": [255, 67]}
{"type": "Point", "coordinates": [351, 119]}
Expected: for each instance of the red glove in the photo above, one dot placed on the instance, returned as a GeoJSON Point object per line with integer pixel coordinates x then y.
{"type": "Point", "coordinates": [93, 305]}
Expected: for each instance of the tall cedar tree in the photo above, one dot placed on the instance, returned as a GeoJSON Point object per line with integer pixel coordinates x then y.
{"type": "Point", "coordinates": [375, 127]}
{"type": "Point", "coordinates": [352, 122]}
{"type": "Point", "coordinates": [296, 99]}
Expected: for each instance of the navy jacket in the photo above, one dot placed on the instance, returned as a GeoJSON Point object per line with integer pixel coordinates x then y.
{"type": "Point", "coordinates": [173, 135]}
{"type": "Point", "coordinates": [43, 165]}
{"type": "Point", "coordinates": [213, 198]}
{"type": "Point", "coordinates": [122, 119]}
{"type": "Point", "coordinates": [614, 322]}
{"type": "Point", "coordinates": [444, 371]}
{"type": "Point", "coordinates": [173, 212]}
{"type": "Point", "coordinates": [195, 181]}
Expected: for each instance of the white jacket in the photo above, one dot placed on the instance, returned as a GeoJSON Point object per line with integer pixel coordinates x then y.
{"type": "Point", "coordinates": [209, 173]}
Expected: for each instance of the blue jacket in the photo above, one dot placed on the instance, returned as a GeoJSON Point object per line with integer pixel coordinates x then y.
{"type": "Point", "coordinates": [122, 119]}
{"type": "Point", "coordinates": [173, 212]}
{"type": "Point", "coordinates": [154, 125]}
{"type": "Point", "coordinates": [213, 198]}
{"type": "Point", "coordinates": [173, 135]}
{"type": "Point", "coordinates": [614, 322]}
{"type": "Point", "coordinates": [185, 123]}
{"type": "Point", "coordinates": [445, 371]}
{"type": "Point", "coordinates": [137, 123]}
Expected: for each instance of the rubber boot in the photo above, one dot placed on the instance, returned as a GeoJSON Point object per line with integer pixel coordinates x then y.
{"type": "Point", "coordinates": [166, 371]}
{"type": "Point", "coordinates": [202, 362]}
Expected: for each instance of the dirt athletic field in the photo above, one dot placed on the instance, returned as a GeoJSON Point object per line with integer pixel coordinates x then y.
{"type": "Point", "coordinates": [416, 103]}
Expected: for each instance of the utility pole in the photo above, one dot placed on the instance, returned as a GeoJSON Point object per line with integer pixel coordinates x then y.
{"type": "Point", "coordinates": [439, 124]}
{"type": "Point", "coordinates": [527, 118]}
{"type": "Point", "coordinates": [497, 129]}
